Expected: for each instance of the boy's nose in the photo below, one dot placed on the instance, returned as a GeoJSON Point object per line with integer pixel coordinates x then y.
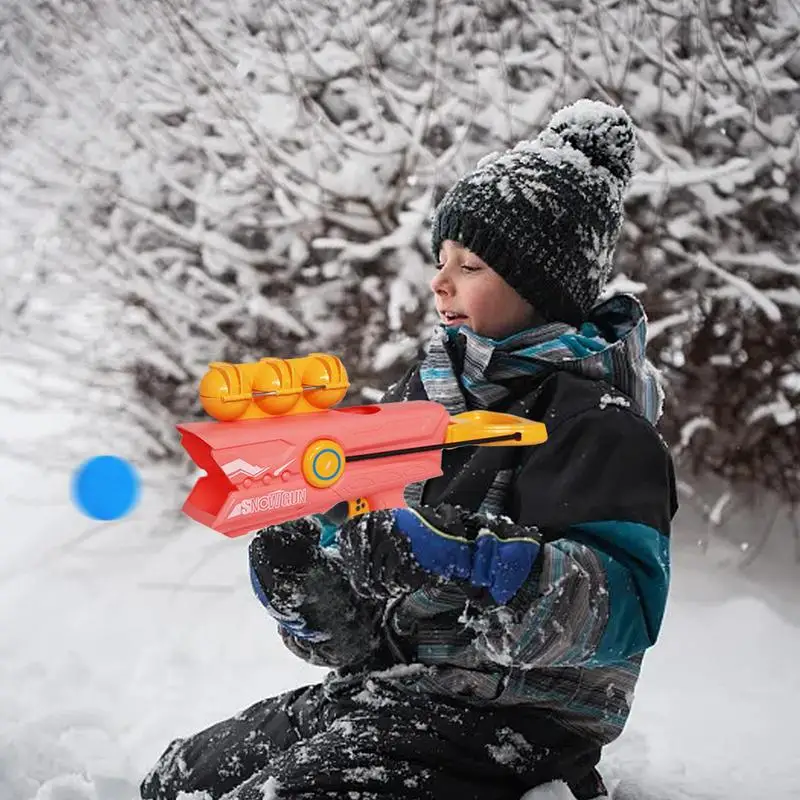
{"type": "Point", "coordinates": [440, 284]}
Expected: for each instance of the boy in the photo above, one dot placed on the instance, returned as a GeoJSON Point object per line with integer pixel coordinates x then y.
{"type": "Point", "coordinates": [487, 639]}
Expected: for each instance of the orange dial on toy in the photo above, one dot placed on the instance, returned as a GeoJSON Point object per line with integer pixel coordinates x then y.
{"type": "Point", "coordinates": [323, 463]}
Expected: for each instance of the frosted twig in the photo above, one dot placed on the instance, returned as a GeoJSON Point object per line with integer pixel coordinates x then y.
{"type": "Point", "coordinates": [659, 326]}
{"type": "Point", "coordinates": [197, 238]}
{"type": "Point", "coordinates": [746, 289]}
{"type": "Point", "coordinates": [765, 259]}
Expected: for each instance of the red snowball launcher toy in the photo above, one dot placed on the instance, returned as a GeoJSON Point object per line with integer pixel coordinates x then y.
{"type": "Point", "coordinates": [279, 450]}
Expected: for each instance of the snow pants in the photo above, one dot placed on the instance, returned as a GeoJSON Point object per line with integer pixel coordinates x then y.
{"type": "Point", "coordinates": [364, 745]}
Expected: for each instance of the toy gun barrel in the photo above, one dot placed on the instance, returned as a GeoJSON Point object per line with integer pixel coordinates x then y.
{"type": "Point", "coordinates": [280, 451]}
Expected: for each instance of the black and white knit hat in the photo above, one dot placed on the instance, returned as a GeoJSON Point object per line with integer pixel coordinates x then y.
{"type": "Point", "coordinates": [546, 215]}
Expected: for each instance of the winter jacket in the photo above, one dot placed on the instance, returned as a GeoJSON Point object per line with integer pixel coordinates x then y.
{"type": "Point", "coordinates": [589, 511]}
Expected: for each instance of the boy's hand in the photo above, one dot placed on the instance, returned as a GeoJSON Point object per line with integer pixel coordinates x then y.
{"type": "Point", "coordinates": [377, 558]}
{"type": "Point", "coordinates": [387, 553]}
{"type": "Point", "coordinates": [281, 557]}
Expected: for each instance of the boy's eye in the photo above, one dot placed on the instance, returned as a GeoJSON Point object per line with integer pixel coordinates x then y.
{"type": "Point", "coordinates": [464, 267]}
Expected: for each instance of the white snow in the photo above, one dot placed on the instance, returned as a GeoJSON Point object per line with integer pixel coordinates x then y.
{"type": "Point", "coordinates": [552, 791]}
{"type": "Point", "coordinates": [692, 426]}
{"type": "Point", "coordinates": [744, 289]}
{"type": "Point", "coordinates": [614, 400]}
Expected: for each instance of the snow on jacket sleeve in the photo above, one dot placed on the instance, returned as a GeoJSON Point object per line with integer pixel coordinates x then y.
{"type": "Point", "coordinates": [601, 492]}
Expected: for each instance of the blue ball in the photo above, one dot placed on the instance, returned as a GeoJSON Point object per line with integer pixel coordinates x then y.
{"type": "Point", "coordinates": [105, 487]}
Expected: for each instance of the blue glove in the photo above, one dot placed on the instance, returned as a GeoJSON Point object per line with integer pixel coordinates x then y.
{"type": "Point", "coordinates": [390, 552]}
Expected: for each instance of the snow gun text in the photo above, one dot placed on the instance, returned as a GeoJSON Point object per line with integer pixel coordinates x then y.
{"type": "Point", "coordinates": [279, 450]}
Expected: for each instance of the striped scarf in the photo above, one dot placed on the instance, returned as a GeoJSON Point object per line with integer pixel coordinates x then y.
{"type": "Point", "coordinates": [610, 346]}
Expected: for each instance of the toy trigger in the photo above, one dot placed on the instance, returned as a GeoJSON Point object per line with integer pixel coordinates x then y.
{"type": "Point", "coordinates": [357, 507]}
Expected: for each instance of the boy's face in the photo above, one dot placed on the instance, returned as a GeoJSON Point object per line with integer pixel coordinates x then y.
{"type": "Point", "coordinates": [469, 292]}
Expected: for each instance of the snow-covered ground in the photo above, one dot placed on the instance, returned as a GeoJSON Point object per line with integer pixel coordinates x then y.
{"type": "Point", "coordinates": [117, 637]}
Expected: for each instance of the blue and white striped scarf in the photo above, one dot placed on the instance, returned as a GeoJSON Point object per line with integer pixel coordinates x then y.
{"type": "Point", "coordinates": [610, 346]}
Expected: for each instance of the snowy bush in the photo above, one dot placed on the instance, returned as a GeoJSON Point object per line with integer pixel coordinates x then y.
{"type": "Point", "coordinates": [233, 179]}
{"type": "Point", "coordinates": [717, 243]}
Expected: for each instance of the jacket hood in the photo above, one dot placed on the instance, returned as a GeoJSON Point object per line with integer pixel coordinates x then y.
{"type": "Point", "coordinates": [615, 342]}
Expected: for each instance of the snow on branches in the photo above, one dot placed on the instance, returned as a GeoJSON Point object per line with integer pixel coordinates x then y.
{"type": "Point", "coordinates": [254, 178]}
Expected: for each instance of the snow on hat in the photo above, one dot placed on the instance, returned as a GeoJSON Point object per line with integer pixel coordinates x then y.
{"type": "Point", "coordinates": [546, 215]}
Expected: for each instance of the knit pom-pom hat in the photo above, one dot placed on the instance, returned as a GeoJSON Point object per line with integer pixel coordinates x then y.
{"type": "Point", "coordinates": [546, 215]}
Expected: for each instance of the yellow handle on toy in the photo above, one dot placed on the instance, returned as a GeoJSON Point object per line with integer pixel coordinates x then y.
{"type": "Point", "coordinates": [507, 429]}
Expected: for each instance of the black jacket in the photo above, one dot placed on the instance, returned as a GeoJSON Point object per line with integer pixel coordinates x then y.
{"type": "Point", "coordinates": [601, 494]}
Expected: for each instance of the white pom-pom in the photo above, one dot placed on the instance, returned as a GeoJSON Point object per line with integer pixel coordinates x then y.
{"type": "Point", "coordinates": [603, 133]}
